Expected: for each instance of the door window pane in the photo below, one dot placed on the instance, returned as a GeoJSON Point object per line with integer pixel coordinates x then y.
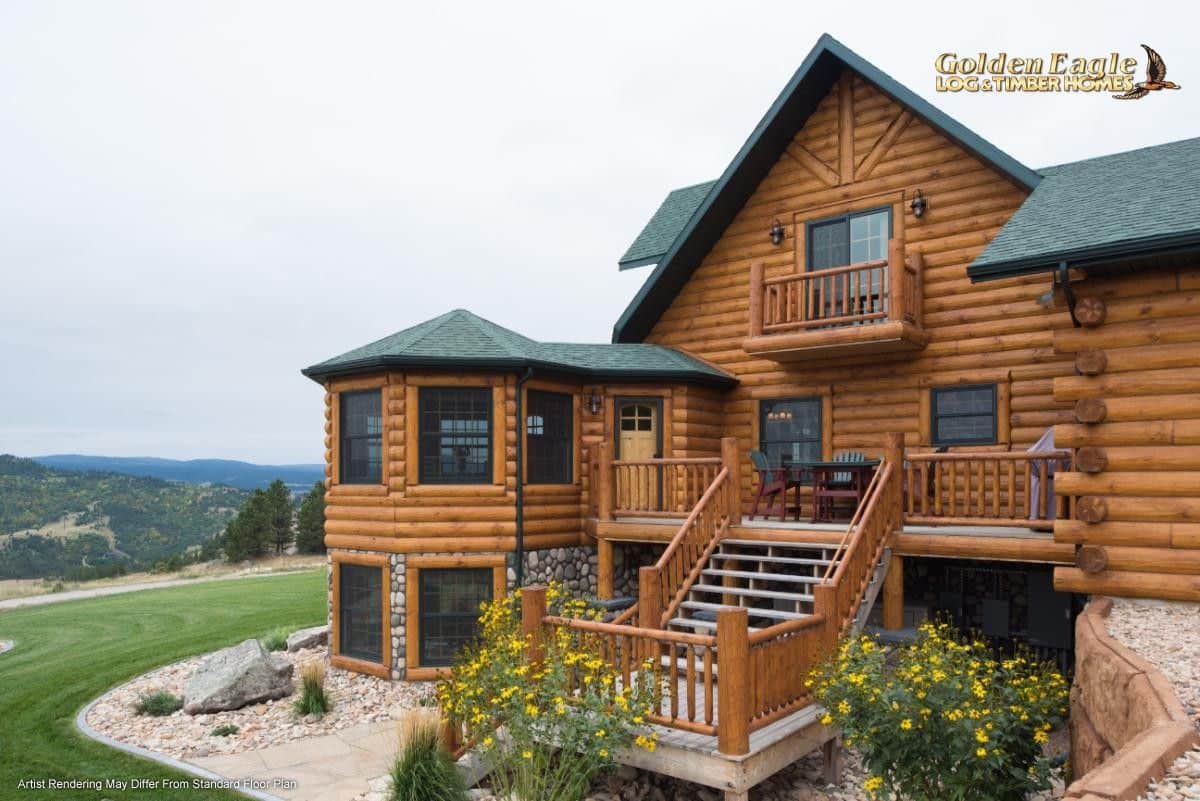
{"type": "Point", "coordinates": [360, 612]}
{"type": "Point", "coordinates": [449, 610]}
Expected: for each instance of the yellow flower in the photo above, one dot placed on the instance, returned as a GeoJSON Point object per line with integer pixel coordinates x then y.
{"type": "Point", "coordinates": [873, 784]}
{"type": "Point", "coordinates": [906, 724]}
{"type": "Point", "coordinates": [487, 742]}
{"type": "Point", "coordinates": [1040, 737]}
{"type": "Point", "coordinates": [981, 752]}
{"type": "Point", "coordinates": [600, 732]}
{"type": "Point", "coordinates": [827, 719]}
{"type": "Point", "coordinates": [604, 752]}
{"type": "Point", "coordinates": [527, 754]}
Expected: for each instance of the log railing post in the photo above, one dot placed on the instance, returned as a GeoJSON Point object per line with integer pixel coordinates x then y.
{"type": "Point", "coordinates": [451, 741]}
{"type": "Point", "coordinates": [897, 276]}
{"type": "Point", "coordinates": [649, 597]}
{"type": "Point", "coordinates": [604, 482]}
{"type": "Point", "coordinates": [533, 610]}
{"type": "Point", "coordinates": [756, 298]}
{"type": "Point", "coordinates": [893, 454]}
{"type": "Point", "coordinates": [604, 569]}
{"type": "Point", "coordinates": [918, 290]}
{"type": "Point", "coordinates": [733, 682]}
{"type": "Point", "coordinates": [729, 458]}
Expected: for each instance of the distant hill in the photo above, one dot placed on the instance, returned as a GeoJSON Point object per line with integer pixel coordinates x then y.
{"type": "Point", "coordinates": [243, 475]}
{"type": "Point", "coordinates": [53, 521]}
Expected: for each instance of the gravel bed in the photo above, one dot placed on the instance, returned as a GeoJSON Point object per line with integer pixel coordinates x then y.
{"type": "Point", "coordinates": [1167, 634]}
{"type": "Point", "coordinates": [356, 699]}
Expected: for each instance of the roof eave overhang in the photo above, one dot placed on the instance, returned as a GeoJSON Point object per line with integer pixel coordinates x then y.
{"type": "Point", "coordinates": [320, 373]}
{"type": "Point", "coordinates": [1124, 251]}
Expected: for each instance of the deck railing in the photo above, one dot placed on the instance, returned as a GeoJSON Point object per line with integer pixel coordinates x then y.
{"type": "Point", "coordinates": [984, 489]}
{"type": "Point", "coordinates": [867, 292]}
{"type": "Point", "coordinates": [661, 487]}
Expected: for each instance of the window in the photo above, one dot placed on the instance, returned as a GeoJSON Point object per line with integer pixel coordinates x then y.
{"type": "Point", "coordinates": [790, 430]}
{"type": "Point", "coordinates": [449, 611]}
{"type": "Point", "coordinates": [549, 439]}
{"type": "Point", "coordinates": [360, 612]}
{"type": "Point", "coordinates": [455, 435]}
{"type": "Point", "coordinates": [361, 432]}
{"type": "Point", "coordinates": [849, 238]}
{"type": "Point", "coordinates": [964, 415]}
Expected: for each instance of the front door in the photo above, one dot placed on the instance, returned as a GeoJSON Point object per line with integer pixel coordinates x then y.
{"type": "Point", "coordinates": [638, 438]}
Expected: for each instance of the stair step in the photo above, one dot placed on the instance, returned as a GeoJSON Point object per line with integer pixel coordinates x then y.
{"type": "Point", "coordinates": [747, 574]}
{"type": "Point", "coordinates": [774, 614]}
{"type": "Point", "coordinates": [782, 560]}
{"type": "Point", "coordinates": [752, 593]}
{"type": "Point", "coordinates": [693, 623]}
{"type": "Point", "coordinates": [819, 546]}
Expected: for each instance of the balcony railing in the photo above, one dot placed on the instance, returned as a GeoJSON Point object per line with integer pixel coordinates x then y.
{"type": "Point", "coordinates": [870, 303]}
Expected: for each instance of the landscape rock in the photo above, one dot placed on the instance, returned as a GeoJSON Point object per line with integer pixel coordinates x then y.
{"type": "Point", "coordinates": [307, 638]}
{"type": "Point", "coordinates": [235, 677]}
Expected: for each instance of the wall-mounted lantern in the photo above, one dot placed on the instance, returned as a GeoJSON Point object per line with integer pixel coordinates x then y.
{"type": "Point", "coordinates": [595, 404]}
{"type": "Point", "coordinates": [919, 204]}
{"type": "Point", "coordinates": [776, 232]}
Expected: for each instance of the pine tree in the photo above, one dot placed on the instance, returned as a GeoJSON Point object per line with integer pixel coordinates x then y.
{"type": "Point", "coordinates": [279, 505]}
{"type": "Point", "coordinates": [250, 534]}
{"type": "Point", "coordinates": [310, 527]}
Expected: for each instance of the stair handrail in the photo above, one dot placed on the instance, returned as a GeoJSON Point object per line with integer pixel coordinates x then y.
{"type": "Point", "coordinates": [855, 521]}
{"type": "Point", "coordinates": [679, 567]}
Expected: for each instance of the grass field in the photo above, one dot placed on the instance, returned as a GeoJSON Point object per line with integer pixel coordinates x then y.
{"type": "Point", "coordinates": [67, 654]}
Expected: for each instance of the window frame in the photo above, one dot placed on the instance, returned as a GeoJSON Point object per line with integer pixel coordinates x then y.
{"type": "Point", "coordinates": [345, 439]}
{"type": "Point", "coordinates": [414, 670]}
{"type": "Point", "coordinates": [845, 217]}
{"type": "Point", "coordinates": [565, 442]}
{"type": "Point", "coordinates": [934, 392]}
{"type": "Point", "coordinates": [425, 617]}
{"type": "Point", "coordinates": [425, 438]}
{"type": "Point", "coordinates": [818, 401]}
{"type": "Point", "coordinates": [381, 561]}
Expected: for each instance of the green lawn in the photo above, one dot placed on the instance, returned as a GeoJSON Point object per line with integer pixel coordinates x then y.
{"type": "Point", "coordinates": [67, 654]}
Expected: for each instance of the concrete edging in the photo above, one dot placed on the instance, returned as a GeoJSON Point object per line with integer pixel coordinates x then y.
{"type": "Point", "coordinates": [1141, 723]}
{"type": "Point", "coordinates": [162, 759]}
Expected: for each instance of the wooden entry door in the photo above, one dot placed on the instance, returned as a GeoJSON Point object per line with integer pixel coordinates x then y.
{"type": "Point", "coordinates": [638, 432]}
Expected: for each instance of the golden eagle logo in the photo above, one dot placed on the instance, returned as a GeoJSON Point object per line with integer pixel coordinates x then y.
{"type": "Point", "coordinates": [1156, 77]}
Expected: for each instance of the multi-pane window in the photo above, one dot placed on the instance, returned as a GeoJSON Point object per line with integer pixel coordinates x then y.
{"type": "Point", "coordinates": [790, 430]}
{"type": "Point", "coordinates": [841, 241]}
{"type": "Point", "coordinates": [360, 612]}
{"type": "Point", "coordinates": [449, 610]}
{"type": "Point", "coordinates": [455, 432]}
{"type": "Point", "coordinates": [549, 438]}
{"type": "Point", "coordinates": [964, 415]}
{"type": "Point", "coordinates": [361, 433]}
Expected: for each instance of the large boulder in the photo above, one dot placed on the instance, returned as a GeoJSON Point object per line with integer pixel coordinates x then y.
{"type": "Point", "coordinates": [307, 638]}
{"type": "Point", "coordinates": [236, 676]}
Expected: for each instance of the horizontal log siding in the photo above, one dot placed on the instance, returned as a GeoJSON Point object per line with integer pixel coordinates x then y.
{"type": "Point", "coordinates": [1139, 465]}
{"type": "Point", "coordinates": [998, 331]}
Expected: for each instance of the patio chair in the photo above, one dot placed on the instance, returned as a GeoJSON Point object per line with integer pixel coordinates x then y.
{"type": "Point", "coordinates": [839, 486]}
{"type": "Point", "coordinates": [773, 485]}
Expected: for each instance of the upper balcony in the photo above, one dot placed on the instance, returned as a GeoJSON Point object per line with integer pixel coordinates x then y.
{"type": "Point", "coordinates": [865, 308]}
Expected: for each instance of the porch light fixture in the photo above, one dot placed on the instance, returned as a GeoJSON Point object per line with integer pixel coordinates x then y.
{"type": "Point", "coordinates": [776, 232]}
{"type": "Point", "coordinates": [918, 204]}
{"type": "Point", "coordinates": [594, 404]}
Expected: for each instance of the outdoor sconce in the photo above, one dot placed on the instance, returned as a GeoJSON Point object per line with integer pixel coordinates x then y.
{"type": "Point", "coordinates": [918, 204]}
{"type": "Point", "coordinates": [594, 404]}
{"type": "Point", "coordinates": [776, 232]}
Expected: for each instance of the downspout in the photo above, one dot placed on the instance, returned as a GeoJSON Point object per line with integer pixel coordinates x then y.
{"type": "Point", "coordinates": [1064, 278]}
{"type": "Point", "coordinates": [520, 555]}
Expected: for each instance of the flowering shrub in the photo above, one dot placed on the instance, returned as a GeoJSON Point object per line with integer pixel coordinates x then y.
{"type": "Point", "coordinates": [941, 718]}
{"type": "Point", "coordinates": [547, 728]}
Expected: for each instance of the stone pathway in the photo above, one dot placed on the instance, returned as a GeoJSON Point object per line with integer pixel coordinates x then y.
{"type": "Point", "coordinates": [120, 589]}
{"type": "Point", "coordinates": [332, 767]}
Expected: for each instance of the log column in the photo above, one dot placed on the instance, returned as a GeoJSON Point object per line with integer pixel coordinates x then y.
{"type": "Point", "coordinates": [604, 569]}
{"type": "Point", "coordinates": [756, 298]}
{"type": "Point", "coordinates": [604, 481]}
{"type": "Point", "coordinates": [893, 595]}
{"type": "Point", "coordinates": [729, 459]}
{"type": "Point", "coordinates": [533, 609]}
{"type": "Point", "coordinates": [733, 683]}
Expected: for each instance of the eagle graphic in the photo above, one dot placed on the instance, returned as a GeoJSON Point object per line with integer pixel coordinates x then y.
{"type": "Point", "coordinates": [1156, 74]}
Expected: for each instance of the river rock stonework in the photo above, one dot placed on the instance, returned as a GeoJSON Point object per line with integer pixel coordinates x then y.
{"type": "Point", "coordinates": [627, 559]}
{"type": "Point", "coordinates": [574, 567]}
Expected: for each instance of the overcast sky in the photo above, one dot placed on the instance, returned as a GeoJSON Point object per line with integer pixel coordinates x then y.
{"type": "Point", "coordinates": [201, 198]}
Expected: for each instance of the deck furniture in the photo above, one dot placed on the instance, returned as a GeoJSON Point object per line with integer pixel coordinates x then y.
{"type": "Point", "coordinates": [845, 477]}
{"type": "Point", "coordinates": [773, 484]}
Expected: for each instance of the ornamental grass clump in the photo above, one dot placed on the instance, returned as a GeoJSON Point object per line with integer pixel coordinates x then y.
{"type": "Point", "coordinates": [941, 719]}
{"type": "Point", "coordinates": [159, 703]}
{"type": "Point", "coordinates": [424, 770]}
{"type": "Point", "coordinates": [549, 726]}
{"type": "Point", "coordinates": [312, 700]}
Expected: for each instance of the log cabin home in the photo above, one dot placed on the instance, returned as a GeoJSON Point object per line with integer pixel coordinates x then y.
{"type": "Point", "coordinates": [1000, 362]}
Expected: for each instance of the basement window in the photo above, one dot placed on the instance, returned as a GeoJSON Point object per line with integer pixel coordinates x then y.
{"type": "Point", "coordinates": [963, 415]}
{"type": "Point", "coordinates": [361, 434]}
{"type": "Point", "coordinates": [449, 604]}
{"type": "Point", "coordinates": [360, 612]}
{"type": "Point", "coordinates": [549, 429]}
{"type": "Point", "coordinates": [455, 435]}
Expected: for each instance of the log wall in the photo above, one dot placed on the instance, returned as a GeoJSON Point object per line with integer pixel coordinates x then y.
{"type": "Point", "coordinates": [1136, 425]}
{"type": "Point", "coordinates": [999, 331]}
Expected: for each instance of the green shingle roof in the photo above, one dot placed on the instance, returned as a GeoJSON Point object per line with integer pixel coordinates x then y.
{"type": "Point", "coordinates": [656, 238]}
{"type": "Point", "coordinates": [460, 339]}
{"type": "Point", "coordinates": [1102, 209]}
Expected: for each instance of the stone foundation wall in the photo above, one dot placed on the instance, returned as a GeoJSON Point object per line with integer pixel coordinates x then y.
{"type": "Point", "coordinates": [1127, 725]}
{"type": "Point", "coordinates": [627, 558]}
{"type": "Point", "coordinates": [575, 567]}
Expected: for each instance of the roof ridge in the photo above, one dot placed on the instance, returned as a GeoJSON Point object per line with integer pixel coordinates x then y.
{"type": "Point", "coordinates": [1119, 153]}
